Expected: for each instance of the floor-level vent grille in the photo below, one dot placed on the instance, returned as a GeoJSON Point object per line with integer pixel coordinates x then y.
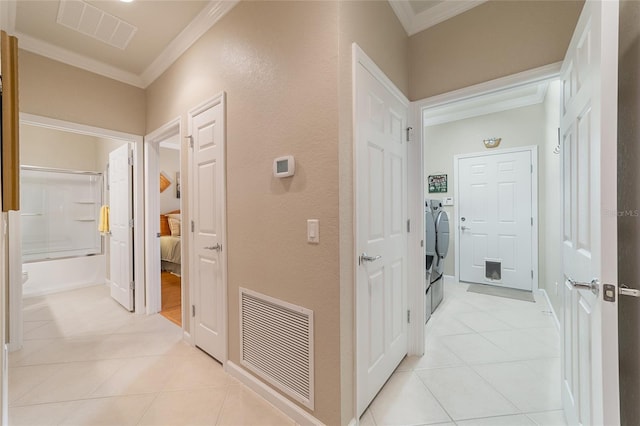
{"type": "Point", "coordinates": [276, 343]}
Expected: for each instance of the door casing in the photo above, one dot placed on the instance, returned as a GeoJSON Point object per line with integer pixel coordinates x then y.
{"type": "Point", "coordinates": [152, 215]}
{"type": "Point", "coordinates": [138, 194]}
{"type": "Point", "coordinates": [417, 181]}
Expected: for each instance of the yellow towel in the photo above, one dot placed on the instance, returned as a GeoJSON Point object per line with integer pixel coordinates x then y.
{"type": "Point", "coordinates": [103, 225]}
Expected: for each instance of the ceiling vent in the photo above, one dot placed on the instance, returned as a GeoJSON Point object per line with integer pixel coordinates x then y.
{"type": "Point", "coordinates": [96, 23]}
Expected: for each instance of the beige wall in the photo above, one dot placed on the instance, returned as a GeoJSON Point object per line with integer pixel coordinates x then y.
{"type": "Point", "coordinates": [52, 89]}
{"type": "Point", "coordinates": [376, 29]}
{"type": "Point", "coordinates": [43, 147]}
{"type": "Point", "coordinates": [277, 62]}
{"type": "Point", "coordinates": [493, 40]}
{"type": "Point", "coordinates": [517, 127]}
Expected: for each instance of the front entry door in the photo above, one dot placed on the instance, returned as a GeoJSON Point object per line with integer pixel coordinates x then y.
{"type": "Point", "coordinates": [120, 221]}
{"type": "Point", "coordinates": [208, 272]}
{"type": "Point", "coordinates": [588, 126]}
{"type": "Point", "coordinates": [381, 242]}
{"type": "Point", "coordinates": [496, 219]}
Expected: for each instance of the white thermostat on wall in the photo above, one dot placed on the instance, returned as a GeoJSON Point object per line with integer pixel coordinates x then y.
{"type": "Point", "coordinates": [284, 166]}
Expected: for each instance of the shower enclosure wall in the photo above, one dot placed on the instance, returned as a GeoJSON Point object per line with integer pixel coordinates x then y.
{"type": "Point", "coordinates": [61, 244]}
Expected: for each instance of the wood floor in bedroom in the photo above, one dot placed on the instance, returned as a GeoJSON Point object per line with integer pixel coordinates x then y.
{"type": "Point", "coordinates": [171, 298]}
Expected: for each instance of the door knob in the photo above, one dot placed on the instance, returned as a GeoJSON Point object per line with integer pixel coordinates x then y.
{"type": "Point", "coordinates": [217, 247]}
{"type": "Point", "coordinates": [593, 286]}
{"type": "Point", "coordinates": [465, 228]}
{"type": "Point", "coordinates": [364, 257]}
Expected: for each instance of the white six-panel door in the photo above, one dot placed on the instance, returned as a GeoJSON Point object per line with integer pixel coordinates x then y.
{"type": "Point", "coordinates": [496, 218]}
{"type": "Point", "coordinates": [381, 235]}
{"type": "Point", "coordinates": [121, 238]}
{"type": "Point", "coordinates": [208, 271]}
{"type": "Point", "coordinates": [589, 129]}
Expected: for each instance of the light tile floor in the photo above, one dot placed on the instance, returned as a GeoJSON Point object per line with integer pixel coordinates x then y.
{"type": "Point", "coordinates": [488, 361]}
{"type": "Point", "coordinates": [86, 361]}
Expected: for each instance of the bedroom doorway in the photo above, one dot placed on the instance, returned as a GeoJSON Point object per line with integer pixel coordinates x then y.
{"type": "Point", "coordinates": [165, 288]}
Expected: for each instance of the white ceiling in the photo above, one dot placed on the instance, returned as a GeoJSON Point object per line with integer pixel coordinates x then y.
{"type": "Point", "coordinates": [157, 31]}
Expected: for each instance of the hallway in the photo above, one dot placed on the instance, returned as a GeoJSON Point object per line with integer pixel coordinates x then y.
{"type": "Point", "coordinates": [489, 361]}
{"type": "Point", "coordinates": [86, 361]}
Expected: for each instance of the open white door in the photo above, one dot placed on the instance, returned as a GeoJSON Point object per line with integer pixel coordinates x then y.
{"type": "Point", "coordinates": [381, 230]}
{"type": "Point", "coordinates": [589, 129]}
{"type": "Point", "coordinates": [121, 217]}
{"type": "Point", "coordinates": [208, 195]}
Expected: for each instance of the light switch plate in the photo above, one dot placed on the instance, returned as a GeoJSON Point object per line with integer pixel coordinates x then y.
{"type": "Point", "coordinates": [313, 231]}
{"type": "Point", "coordinates": [447, 201]}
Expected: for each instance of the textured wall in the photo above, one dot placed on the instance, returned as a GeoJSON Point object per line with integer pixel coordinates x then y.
{"type": "Point", "coordinates": [52, 89]}
{"type": "Point", "coordinates": [493, 40]}
{"type": "Point", "coordinates": [278, 64]}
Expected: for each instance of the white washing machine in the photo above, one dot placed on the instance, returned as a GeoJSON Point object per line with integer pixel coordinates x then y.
{"type": "Point", "coordinates": [436, 250]}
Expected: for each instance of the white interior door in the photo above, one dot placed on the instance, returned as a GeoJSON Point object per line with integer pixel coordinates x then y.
{"type": "Point", "coordinates": [589, 128]}
{"type": "Point", "coordinates": [381, 234]}
{"type": "Point", "coordinates": [208, 274]}
{"type": "Point", "coordinates": [496, 219]}
{"type": "Point", "coordinates": [121, 217]}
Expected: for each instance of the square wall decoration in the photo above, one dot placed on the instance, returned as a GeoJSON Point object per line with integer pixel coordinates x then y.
{"type": "Point", "coordinates": [437, 183]}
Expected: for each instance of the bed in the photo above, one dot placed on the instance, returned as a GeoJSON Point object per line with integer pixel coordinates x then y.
{"type": "Point", "coordinates": [170, 241]}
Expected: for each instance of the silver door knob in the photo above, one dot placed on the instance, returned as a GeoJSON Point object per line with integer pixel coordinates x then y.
{"type": "Point", "coordinates": [364, 257]}
{"type": "Point", "coordinates": [217, 247]}
{"type": "Point", "coordinates": [593, 286]}
{"type": "Point", "coordinates": [465, 228]}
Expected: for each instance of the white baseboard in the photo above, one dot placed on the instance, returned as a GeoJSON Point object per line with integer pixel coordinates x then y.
{"type": "Point", "coordinates": [60, 289]}
{"type": "Point", "coordinates": [449, 278]}
{"type": "Point", "coordinates": [553, 312]}
{"type": "Point", "coordinates": [290, 409]}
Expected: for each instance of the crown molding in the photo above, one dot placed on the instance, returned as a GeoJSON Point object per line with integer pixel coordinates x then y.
{"type": "Point", "coordinates": [414, 23]}
{"type": "Point", "coordinates": [68, 57]}
{"type": "Point", "coordinates": [192, 32]}
{"type": "Point", "coordinates": [211, 14]}
{"type": "Point", "coordinates": [532, 94]}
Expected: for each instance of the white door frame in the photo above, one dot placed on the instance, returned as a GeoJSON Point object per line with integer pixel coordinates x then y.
{"type": "Point", "coordinates": [222, 99]}
{"type": "Point", "coordinates": [138, 195]}
{"type": "Point", "coordinates": [416, 179]}
{"type": "Point", "coordinates": [533, 150]}
{"type": "Point", "coordinates": [152, 214]}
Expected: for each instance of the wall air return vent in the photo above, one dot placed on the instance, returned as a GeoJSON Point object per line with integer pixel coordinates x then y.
{"type": "Point", "coordinates": [96, 23]}
{"type": "Point", "coordinates": [276, 343]}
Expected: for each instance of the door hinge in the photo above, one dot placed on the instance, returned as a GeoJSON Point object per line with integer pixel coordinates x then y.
{"type": "Point", "coordinates": [408, 225]}
{"type": "Point", "coordinates": [131, 285]}
{"type": "Point", "coordinates": [131, 221]}
{"type": "Point", "coordinates": [532, 221]}
{"type": "Point", "coordinates": [193, 226]}
{"type": "Point", "coordinates": [409, 129]}
{"type": "Point", "coordinates": [421, 243]}
{"type": "Point", "coordinates": [190, 141]}
{"type": "Point", "coordinates": [532, 274]}
{"type": "Point", "coordinates": [193, 310]}
{"type": "Point", "coordinates": [130, 160]}
{"type": "Point", "coordinates": [408, 316]}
